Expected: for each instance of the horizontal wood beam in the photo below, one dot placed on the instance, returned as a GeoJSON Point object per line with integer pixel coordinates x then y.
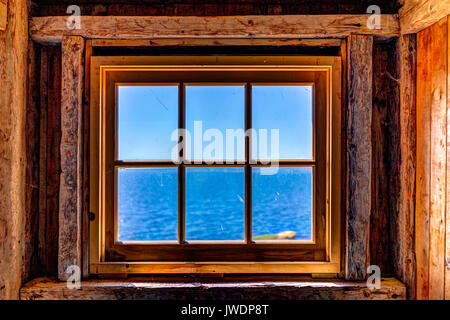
{"type": "Point", "coordinates": [217, 42]}
{"type": "Point", "coordinates": [165, 289]}
{"type": "Point", "coordinates": [52, 29]}
{"type": "Point", "coordinates": [417, 15]}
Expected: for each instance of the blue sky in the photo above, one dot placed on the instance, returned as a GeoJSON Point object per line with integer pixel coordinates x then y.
{"type": "Point", "coordinates": [149, 114]}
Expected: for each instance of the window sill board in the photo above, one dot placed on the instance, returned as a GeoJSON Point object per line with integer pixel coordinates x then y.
{"type": "Point", "coordinates": [141, 288]}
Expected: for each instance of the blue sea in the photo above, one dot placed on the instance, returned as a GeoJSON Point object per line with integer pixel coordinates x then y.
{"type": "Point", "coordinates": [215, 198]}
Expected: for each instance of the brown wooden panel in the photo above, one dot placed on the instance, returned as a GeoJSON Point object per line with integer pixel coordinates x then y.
{"type": "Point", "coordinates": [431, 160]}
{"type": "Point", "coordinates": [70, 201]}
{"type": "Point", "coordinates": [358, 155]}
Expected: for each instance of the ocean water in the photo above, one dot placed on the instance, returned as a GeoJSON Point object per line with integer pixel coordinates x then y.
{"type": "Point", "coordinates": [215, 198]}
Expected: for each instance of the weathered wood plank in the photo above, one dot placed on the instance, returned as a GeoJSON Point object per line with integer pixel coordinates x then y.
{"type": "Point", "coordinates": [432, 56]}
{"type": "Point", "coordinates": [423, 164]}
{"type": "Point", "coordinates": [51, 29]}
{"type": "Point", "coordinates": [438, 51]}
{"type": "Point", "coordinates": [143, 289]}
{"type": "Point", "coordinates": [217, 42]}
{"type": "Point", "coordinates": [3, 14]}
{"type": "Point", "coordinates": [417, 15]}
{"type": "Point", "coordinates": [70, 201]}
{"type": "Point", "coordinates": [13, 104]}
{"type": "Point", "coordinates": [53, 165]}
{"type": "Point", "coordinates": [358, 155]}
{"type": "Point", "coordinates": [403, 207]}
{"type": "Point", "coordinates": [384, 105]}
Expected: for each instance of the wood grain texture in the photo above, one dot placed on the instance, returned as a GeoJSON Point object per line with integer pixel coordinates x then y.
{"type": "Point", "coordinates": [404, 163]}
{"type": "Point", "coordinates": [3, 14]}
{"type": "Point", "coordinates": [70, 201]}
{"type": "Point", "coordinates": [185, 42]}
{"type": "Point", "coordinates": [51, 101]}
{"type": "Point", "coordinates": [417, 15]}
{"type": "Point", "coordinates": [145, 289]}
{"type": "Point", "coordinates": [358, 155]}
{"type": "Point", "coordinates": [384, 174]}
{"type": "Point", "coordinates": [432, 91]}
{"type": "Point", "coordinates": [13, 106]}
{"type": "Point", "coordinates": [51, 29]}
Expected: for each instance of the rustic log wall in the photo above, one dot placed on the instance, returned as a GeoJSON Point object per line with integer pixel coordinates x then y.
{"type": "Point", "coordinates": [432, 205]}
{"type": "Point", "coordinates": [391, 128]}
{"type": "Point", "coordinates": [16, 216]}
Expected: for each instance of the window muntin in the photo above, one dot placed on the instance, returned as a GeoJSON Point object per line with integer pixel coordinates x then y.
{"type": "Point", "coordinates": [214, 198]}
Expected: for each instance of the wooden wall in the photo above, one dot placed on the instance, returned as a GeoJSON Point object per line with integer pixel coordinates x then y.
{"type": "Point", "coordinates": [213, 8]}
{"type": "Point", "coordinates": [17, 172]}
{"type": "Point", "coordinates": [433, 163]}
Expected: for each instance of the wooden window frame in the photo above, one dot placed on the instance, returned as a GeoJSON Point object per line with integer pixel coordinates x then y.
{"type": "Point", "coordinates": [107, 256]}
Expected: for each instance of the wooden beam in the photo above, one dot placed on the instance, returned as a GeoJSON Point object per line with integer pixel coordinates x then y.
{"type": "Point", "coordinates": [403, 208]}
{"type": "Point", "coordinates": [52, 29]}
{"type": "Point", "coordinates": [165, 289]}
{"type": "Point", "coordinates": [217, 42]}
{"type": "Point", "coordinates": [358, 155]}
{"type": "Point", "coordinates": [3, 14]}
{"type": "Point", "coordinates": [432, 76]}
{"type": "Point", "coordinates": [70, 202]}
{"type": "Point", "coordinates": [417, 15]}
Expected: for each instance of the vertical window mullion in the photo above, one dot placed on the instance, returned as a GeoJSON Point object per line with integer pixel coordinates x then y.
{"type": "Point", "coordinates": [248, 169]}
{"type": "Point", "coordinates": [181, 168]}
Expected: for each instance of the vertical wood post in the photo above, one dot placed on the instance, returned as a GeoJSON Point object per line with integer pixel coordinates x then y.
{"type": "Point", "coordinates": [70, 202]}
{"type": "Point", "coordinates": [403, 211]}
{"type": "Point", "coordinates": [358, 155]}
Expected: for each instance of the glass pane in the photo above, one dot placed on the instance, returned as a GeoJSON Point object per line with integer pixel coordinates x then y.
{"type": "Point", "coordinates": [282, 204]}
{"type": "Point", "coordinates": [289, 109]}
{"type": "Point", "coordinates": [147, 204]}
{"type": "Point", "coordinates": [210, 112]}
{"type": "Point", "coordinates": [147, 116]}
{"type": "Point", "coordinates": [215, 203]}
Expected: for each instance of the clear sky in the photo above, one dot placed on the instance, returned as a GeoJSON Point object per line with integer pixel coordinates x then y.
{"type": "Point", "coordinates": [149, 114]}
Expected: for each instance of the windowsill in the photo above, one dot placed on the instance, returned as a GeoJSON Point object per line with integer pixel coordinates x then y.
{"type": "Point", "coordinates": [304, 288]}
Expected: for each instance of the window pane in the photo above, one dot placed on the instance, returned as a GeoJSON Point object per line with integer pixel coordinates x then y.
{"type": "Point", "coordinates": [147, 204]}
{"type": "Point", "coordinates": [282, 204]}
{"type": "Point", "coordinates": [215, 203]}
{"type": "Point", "coordinates": [287, 108]}
{"type": "Point", "coordinates": [147, 116]}
{"type": "Point", "coordinates": [210, 111]}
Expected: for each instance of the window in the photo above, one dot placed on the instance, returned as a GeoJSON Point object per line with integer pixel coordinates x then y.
{"type": "Point", "coordinates": [215, 164]}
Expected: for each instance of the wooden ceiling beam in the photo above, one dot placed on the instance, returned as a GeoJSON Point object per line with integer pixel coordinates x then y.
{"type": "Point", "coordinates": [417, 15]}
{"type": "Point", "coordinates": [52, 29]}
